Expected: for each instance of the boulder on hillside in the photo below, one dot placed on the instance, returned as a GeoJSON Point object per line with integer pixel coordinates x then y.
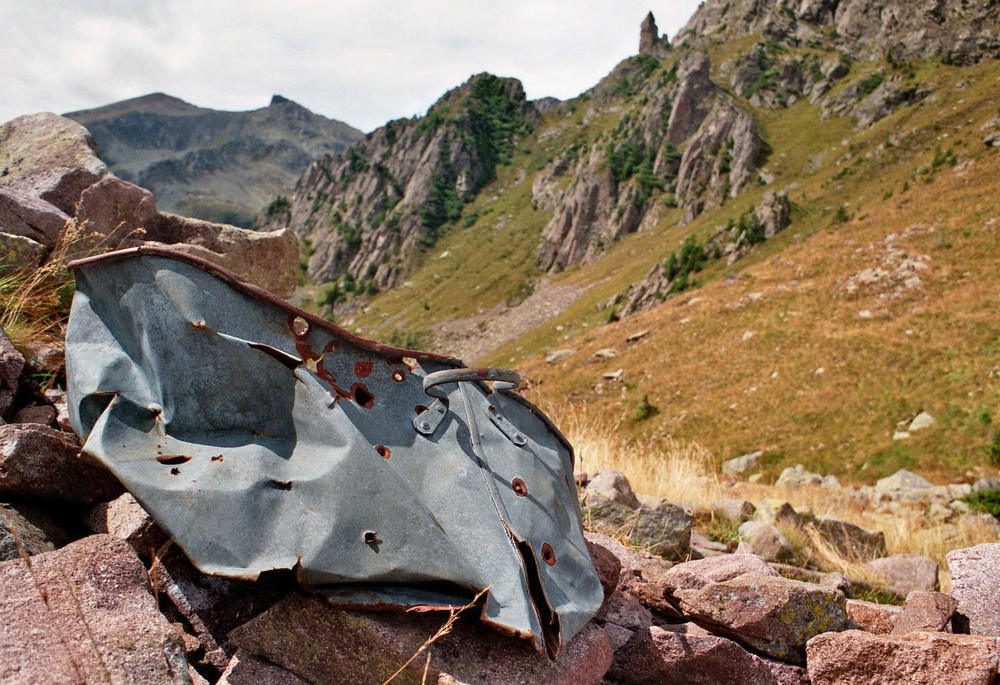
{"type": "Point", "coordinates": [766, 541]}
{"type": "Point", "coordinates": [925, 612]}
{"type": "Point", "coordinates": [31, 217]}
{"type": "Point", "coordinates": [317, 642]}
{"type": "Point", "coordinates": [27, 530]}
{"type": "Point", "coordinates": [699, 573]}
{"type": "Point", "coordinates": [907, 572]}
{"type": "Point", "coordinates": [774, 616]}
{"type": "Point", "coordinates": [852, 542]}
{"type": "Point", "coordinates": [85, 614]}
{"type": "Point", "coordinates": [739, 466]}
{"type": "Point", "coordinates": [43, 463]}
{"type": "Point", "coordinates": [609, 486]}
{"type": "Point", "coordinates": [902, 480]}
{"type": "Point", "coordinates": [18, 253]}
{"type": "Point", "coordinates": [664, 530]}
{"type": "Point", "coordinates": [124, 518]}
{"type": "Point", "coordinates": [40, 143]}
{"type": "Point", "coordinates": [855, 657]}
{"type": "Point", "coordinates": [871, 617]}
{"type": "Point", "coordinates": [975, 583]}
{"type": "Point", "coordinates": [116, 210]}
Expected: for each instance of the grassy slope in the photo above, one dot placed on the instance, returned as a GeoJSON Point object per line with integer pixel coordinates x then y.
{"type": "Point", "coordinates": [931, 348]}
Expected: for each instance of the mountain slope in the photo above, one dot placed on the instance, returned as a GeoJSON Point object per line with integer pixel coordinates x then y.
{"type": "Point", "coordinates": [805, 229]}
{"type": "Point", "coordinates": [214, 165]}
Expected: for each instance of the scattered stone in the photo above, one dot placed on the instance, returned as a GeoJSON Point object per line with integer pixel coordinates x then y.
{"type": "Point", "coordinates": [622, 610]}
{"type": "Point", "coordinates": [41, 414]}
{"type": "Point", "coordinates": [738, 510]}
{"type": "Point", "coordinates": [739, 466]}
{"type": "Point", "coordinates": [852, 542]}
{"type": "Point", "coordinates": [85, 613]}
{"type": "Point", "coordinates": [24, 215]}
{"type": "Point", "coordinates": [11, 364]}
{"type": "Point", "coordinates": [766, 541]}
{"type": "Point", "coordinates": [655, 656]}
{"type": "Point", "coordinates": [37, 461]}
{"type": "Point", "coordinates": [664, 530]}
{"type": "Point", "coordinates": [322, 644]}
{"type": "Point", "coordinates": [19, 253]}
{"type": "Point", "coordinates": [901, 435]}
{"type": "Point", "coordinates": [902, 480]}
{"type": "Point", "coordinates": [925, 611]}
{"type": "Point", "coordinates": [27, 530]}
{"type": "Point", "coordinates": [38, 143]}
{"type": "Point", "coordinates": [982, 484]}
{"type": "Point", "coordinates": [793, 477]}
{"type": "Point", "coordinates": [639, 335]}
{"type": "Point", "coordinates": [246, 669]}
{"type": "Point", "coordinates": [608, 566]}
{"type": "Point", "coordinates": [609, 486]}
{"type": "Point", "coordinates": [907, 573]}
{"type": "Point", "coordinates": [921, 421]}
{"type": "Point", "coordinates": [613, 375]}
{"type": "Point", "coordinates": [115, 210]}
{"type": "Point", "coordinates": [694, 575]}
{"type": "Point", "coordinates": [772, 615]}
{"type": "Point", "coordinates": [975, 583]}
{"type": "Point", "coordinates": [606, 353]}
{"type": "Point", "coordinates": [125, 518]}
{"type": "Point", "coordinates": [212, 605]}
{"type": "Point", "coordinates": [558, 356]}
{"type": "Point", "coordinates": [854, 657]}
{"type": "Point", "coordinates": [774, 511]}
{"type": "Point", "coordinates": [831, 483]}
{"type": "Point", "coordinates": [871, 617]}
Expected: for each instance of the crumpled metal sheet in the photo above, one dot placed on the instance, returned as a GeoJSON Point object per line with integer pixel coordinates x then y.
{"type": "Point", "coordinates": [261, 437]}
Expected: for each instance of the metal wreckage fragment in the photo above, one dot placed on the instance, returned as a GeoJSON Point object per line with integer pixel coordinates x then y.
{"type": "Point", "coordinates": [262, 437]}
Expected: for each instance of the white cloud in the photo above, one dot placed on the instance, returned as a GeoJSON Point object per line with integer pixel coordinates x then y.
{"type": "Point", "coordinates": [362, 62]}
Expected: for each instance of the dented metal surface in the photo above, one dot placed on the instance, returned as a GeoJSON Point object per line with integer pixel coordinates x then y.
{"type": "Point", "coordinates": [261, 437]}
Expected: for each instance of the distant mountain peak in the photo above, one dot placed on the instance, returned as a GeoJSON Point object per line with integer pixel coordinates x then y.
{"type": "Point", "coordinates": [280, 100]}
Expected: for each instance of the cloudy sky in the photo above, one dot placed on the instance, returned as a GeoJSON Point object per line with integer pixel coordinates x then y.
{"type": "Point", "coordinates": [363, 61]}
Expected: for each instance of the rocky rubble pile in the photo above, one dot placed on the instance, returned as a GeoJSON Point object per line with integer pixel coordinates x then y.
{"type": "Point", "coordinates": [51, 178]}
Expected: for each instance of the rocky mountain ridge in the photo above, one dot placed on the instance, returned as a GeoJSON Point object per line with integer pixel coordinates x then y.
{"type": "Point", "coordinates": [211, 164]}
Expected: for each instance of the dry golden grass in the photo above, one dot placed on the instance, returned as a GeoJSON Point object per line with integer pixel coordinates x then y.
{"type": "Point", "coordinates": [688, 472]}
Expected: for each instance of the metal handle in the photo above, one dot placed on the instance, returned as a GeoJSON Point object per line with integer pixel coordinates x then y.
{"type": "Point", "coordinates": [503, 379]}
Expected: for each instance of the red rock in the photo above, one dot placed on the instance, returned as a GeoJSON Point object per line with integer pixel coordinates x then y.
{"type": "Point", "coordinates": [925, 611]}
{"type": "Point", "coordinates": [11, 364]}
{"type": "Point", "coordinates": [246, 669]}
{"type": "Point", "coordinates": [655, 656]}
{"type": "Point", "coordinates": [855, 657]}
{"type": "Point", "coordinates": [701, 572]}
{"type": "Point", "coordinates": [636, 567]}
{"type": "Point", "coordinates": [84, 614]}
{"type": "Point", "coordinates": [37, 461]}
{"type": "Point", "coordinates": [41, 414]}
{"type": "Point", "coordinates": [975, 583]}
{"type": "Point", "coordinates": [31, 217]}
{"type": "Point", "coordinates": [125, 519]}
{"type": "Point", "coordinates": [27, 530]}
{"type": "Point", "coordinates": [213, 606]}
{"type": "Point", "coordinates": [37, 143]}
{"type": "Point", "coordinates": [772, 615]}
{"type": "Point", "coordinates": [872, 617]}
{"type": "Point", "coordinates": [608, 566]}
{"type": "Point", "coordinates": [766, 541]}
{"type": "Point", "coordinates": [116, 210]}
{"type": "Point", "coordinates": [621, 609]}
{"type": "Point", "coordinates": [327, 645]}
{"type": "Point", "coordinates": [60, 187]}
{"type": "Point", "coordinates": [907, 572]}
{"type": "Point", "coordinates": [610, 486]}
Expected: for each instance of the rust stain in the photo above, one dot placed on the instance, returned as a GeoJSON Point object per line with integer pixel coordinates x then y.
{"type": "Point", "coordinates": [384, 451]}
{"type": "Point", "coordinates": [520, 489]}
{"type": "Point", "coordinates": [361, 395]}
{"type": "Point", "coordinates": [218, 458]}
{"type": "Point", "coordinates": [175, 471]}
{"type": "Point", "coordinates": [548, 554]}
{"type": "Point", "coordinates": [363, 369]}
{"type": "Point", "coordinates": [398, 376]}
{"type": "Point", "coordinates": [173, 459]}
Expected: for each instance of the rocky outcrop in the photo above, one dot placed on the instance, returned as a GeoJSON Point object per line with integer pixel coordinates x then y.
{"type": "Point", "coordinates": [649, 34]}
{"type": "Point", "coordinates": [213, 165]}
{"type": "Point", "coordinates": [369, 211]}
{"type": "Point", "coordinates": [864, 30]}
{"type": "Point", "coordinates": [689, 145]}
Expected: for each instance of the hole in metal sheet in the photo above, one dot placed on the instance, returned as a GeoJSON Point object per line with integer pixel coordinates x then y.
{"type": "Point", "coordinates": [548, 554]}
{"type": "Point", "coordinates": [218, 458]}
{"type": "Point", "coordinates": [175, 471]}
{"type": "Point", "coordinates": [384, 451]}
{"type": "Point", "coordinates": [371, 537]}
{"type": "Point", "coordinates": [281, 484]}
{"type": "Point", "coordinates": [363, 369]}
{"type": "Point", "coordinates": [173, 459]}
{"type": "Point", "coordinates": [291, 361]}
{"type": "Point", "coordinates": [520, 489]}
{"type": "Point", "coordinates": [412, 363]}
{"type": "Point", "coordinates": [300, 327]}
{"type": "Point", "coordinates": [362, 396]}
{"type": "Point", "coordinates": [420, 409]}
{"type": "Point", "coordinates": [398, 376]}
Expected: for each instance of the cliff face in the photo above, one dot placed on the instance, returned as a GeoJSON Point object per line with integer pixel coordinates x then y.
{"type": "Point", "coordinates": [221, 166]}
{"type": "Point", "coordinates": [370, 210]}
{"type": "Point", "coordinates": [961, 32]}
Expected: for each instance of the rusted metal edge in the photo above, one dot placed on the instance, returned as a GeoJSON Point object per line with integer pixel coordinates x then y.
{"type": "Point", "coordinates": [249, 288]}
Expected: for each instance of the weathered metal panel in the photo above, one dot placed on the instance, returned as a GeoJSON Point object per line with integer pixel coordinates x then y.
{"type": "Point", "coordinates": [261, 437]}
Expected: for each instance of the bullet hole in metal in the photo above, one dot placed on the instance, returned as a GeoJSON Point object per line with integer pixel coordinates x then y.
{"type": "Point", "coordinates": [492, 408]}
{"type": "Point", "coordinates": [362, 396]}
{"type": "Point", "coordinates": [520, 489]}
{"type": "Point", "coordinates": [384, 451]}
{"type": "Point", "coordinates": [218, 458]}
{"type": "Point", "coordinates": [398, 376]}
{"type": "Point", "coordinates": [281, 484]}
{"type": "Point", "coordinates": [548, 554]}
{"type": "Point", "coordinates": [363, 369]}
{"type": "Point", "coordinates": [175, 471]}
{"type": "Point", "coordinates": [371, 538]}
{"type": "Point", "coordinates": [300, 327]}
{"type": "Point", "coordinates": [420, 409]}
{"type": "Point", "coordinates": [173, 459]}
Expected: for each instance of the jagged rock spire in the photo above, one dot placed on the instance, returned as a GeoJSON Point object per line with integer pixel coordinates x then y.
{"type": "Point", "coordinates": [649, 35]}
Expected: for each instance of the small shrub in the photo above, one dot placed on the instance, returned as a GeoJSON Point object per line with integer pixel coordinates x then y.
{"type": "Point", "coordinates": [645, 409]}
{"type": "Point", "coordinates": [993, 450]}
{"type": "Point", "coordinates": [870, 83]}
{"type": "Point", "coordinates": [279, 206]}
{"type": "Point", "coordinates": [841, 216]}
{"type": "Point", "coordinates": [987, 500]}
